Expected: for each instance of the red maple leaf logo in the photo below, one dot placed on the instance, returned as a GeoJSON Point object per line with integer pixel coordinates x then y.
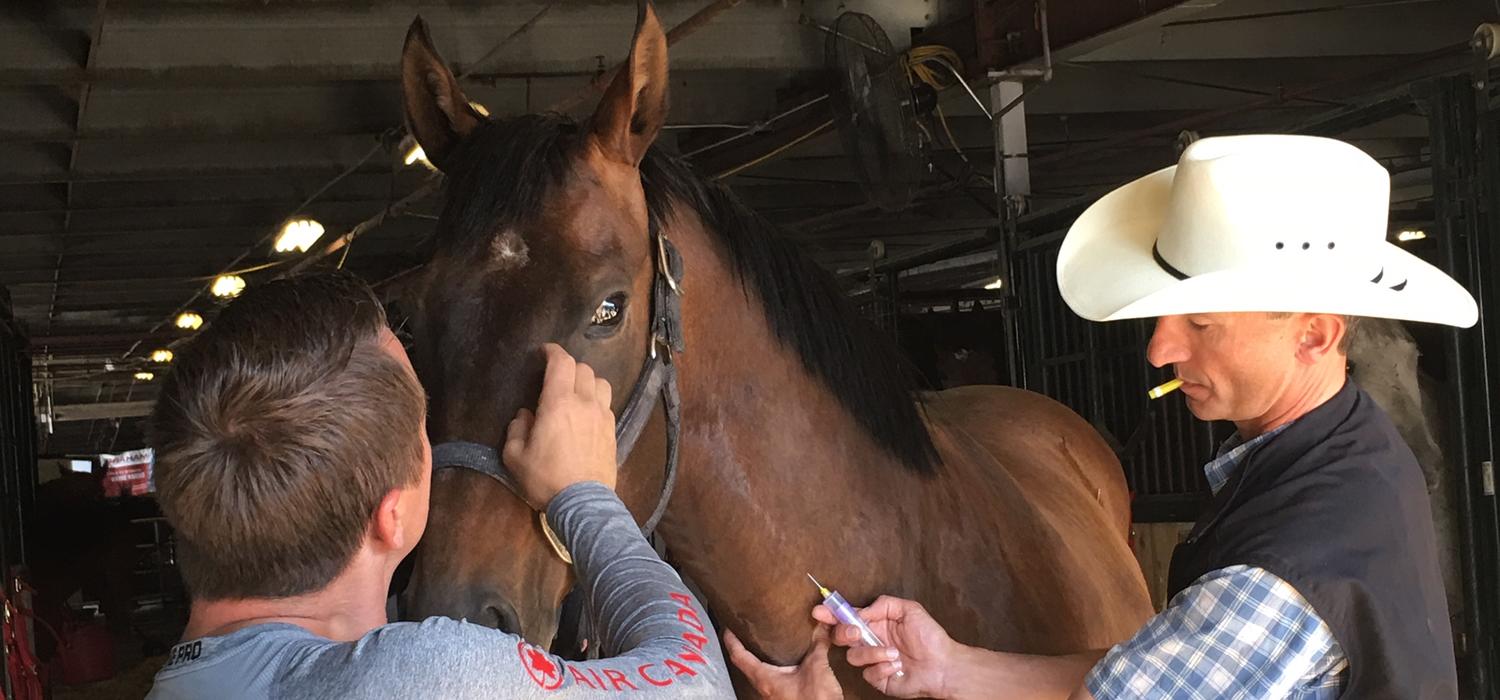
{"type": "Point", "coordinates": [546, 674]}
{"type": "Point", "coordinates": [540, 662]}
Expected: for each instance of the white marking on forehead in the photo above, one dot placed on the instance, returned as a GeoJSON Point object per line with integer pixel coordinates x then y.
{"type": "Point", "coordinates": [508, 252]}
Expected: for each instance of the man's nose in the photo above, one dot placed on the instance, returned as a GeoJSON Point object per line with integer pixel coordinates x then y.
{"type": "Point", "coordinates": [1167, 344]}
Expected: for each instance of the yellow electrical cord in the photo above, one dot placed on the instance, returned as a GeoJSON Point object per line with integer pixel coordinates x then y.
{"type": "Point", "coordinates": [917, 63]}
{"type": "Point", "coordinates": [919, 56]}
{"type": "Point", "coordinates": [786, 147]}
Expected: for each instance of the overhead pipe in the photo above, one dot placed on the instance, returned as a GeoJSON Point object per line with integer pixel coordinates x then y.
{"type": "Point", "coordinates": [1198, 120]}
{"type": "Point", "coordinates": [683, 30]}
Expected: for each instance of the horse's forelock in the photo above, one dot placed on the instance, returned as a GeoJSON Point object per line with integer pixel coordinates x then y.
{"type": "Point", "coordinates": [502, 175]}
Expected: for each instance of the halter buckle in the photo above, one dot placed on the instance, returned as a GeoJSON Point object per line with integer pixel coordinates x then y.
{"type": "Point", "coordinates": [658, 341]}
{"type": "Point", "coordinates": [557, 546]}
{"type": "Point", "coordinates": [664, 264]}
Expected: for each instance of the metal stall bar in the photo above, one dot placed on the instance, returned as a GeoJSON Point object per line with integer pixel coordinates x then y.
{"type": "Point", "coordinates": [17, 440]}
{"type": "Point", "coordinates": [17, 451]}
{"type": "Point", "coordinates": [1464, 196]}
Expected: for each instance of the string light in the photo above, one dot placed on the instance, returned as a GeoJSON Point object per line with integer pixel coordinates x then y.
{"type": "Point", "coordinates": [162, 356]}
{"type": "Point", "coordinates": [228, 286]}
{"type": "Point", "coordinates": [1411, 235]}
{"type": "Point", "coordinates": [998, 283]}
{"type": "Point", "coordinates": [298, 235]}
{"type": "Point", "coordinates": [189, 321]}
{"type": "Point", "coordinates": [144, 376]}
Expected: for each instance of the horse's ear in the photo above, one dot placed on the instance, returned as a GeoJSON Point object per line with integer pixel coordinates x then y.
{"type": "Point", "coordinates": [438, 114]}
{"type": "Point", "coordinates": [634, 107]}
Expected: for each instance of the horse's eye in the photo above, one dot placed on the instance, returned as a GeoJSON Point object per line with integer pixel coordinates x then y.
{"type": "Point", "coordinates": [610, 311]}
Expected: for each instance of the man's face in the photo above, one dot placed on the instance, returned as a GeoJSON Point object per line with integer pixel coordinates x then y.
{"type": "Point", "coordinates": [414, 510]}
{"type": "Point", "coordinates": [1234, 365]}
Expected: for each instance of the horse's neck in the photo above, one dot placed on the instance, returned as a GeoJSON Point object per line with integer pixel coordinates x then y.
{"type": "Point", "coordinates": [778, 478]}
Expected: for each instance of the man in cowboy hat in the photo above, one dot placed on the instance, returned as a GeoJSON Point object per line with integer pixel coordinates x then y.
{"type": "Point", "coordinates": [1313, 574]}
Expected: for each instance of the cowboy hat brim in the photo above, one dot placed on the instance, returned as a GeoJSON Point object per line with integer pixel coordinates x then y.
{"type": "Point", "coordinates": [1106, 272]}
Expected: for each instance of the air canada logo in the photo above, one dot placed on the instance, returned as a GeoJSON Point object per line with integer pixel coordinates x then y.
{"type": "Point", "coordinates": [542, 669]}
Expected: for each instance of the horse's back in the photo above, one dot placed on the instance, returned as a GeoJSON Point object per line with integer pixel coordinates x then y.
{"type": "Point", "coordinates": [1053, 487]}
{"type": "Point", "coordinates": [1015, 425]}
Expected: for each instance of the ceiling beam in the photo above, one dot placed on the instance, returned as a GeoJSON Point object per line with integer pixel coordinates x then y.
{"type": "Point", "coordinates": [1010, 34]}
{"type": "Point", "coordinates": [98, 411]}
{"type": "Point", "coordinates": [100, 338]}
{"type": "Point", "coordinates": [91, 52]}
{"type": "Point", "coordinates": [179, 174]}
{"type": "Point", "coordinates": [158, 206]}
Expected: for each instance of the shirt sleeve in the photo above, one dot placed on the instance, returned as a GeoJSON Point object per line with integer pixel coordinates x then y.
{"type": "Point", "coordinates": [656, 634]}
{"type": "Point", "coordinates": [1237, 632]}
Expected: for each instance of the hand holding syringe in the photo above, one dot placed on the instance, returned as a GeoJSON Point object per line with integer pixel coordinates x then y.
{"type": "Point", "coordinates": [846, 614]}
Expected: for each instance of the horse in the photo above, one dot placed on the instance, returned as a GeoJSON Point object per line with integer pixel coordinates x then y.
{"type": "Point", "coordinates": [802, 448]}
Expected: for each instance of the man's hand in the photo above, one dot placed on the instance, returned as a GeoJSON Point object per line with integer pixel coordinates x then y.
{"type": "Point", "coordinates": [917, 646]}
{"type": "Point", "coordinates": [812, 679]}
{"type": "Point", "coordinates": [570, 438]}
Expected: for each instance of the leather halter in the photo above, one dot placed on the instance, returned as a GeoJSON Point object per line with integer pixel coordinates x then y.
{"type": "Point", "coordinates": [657, 382]}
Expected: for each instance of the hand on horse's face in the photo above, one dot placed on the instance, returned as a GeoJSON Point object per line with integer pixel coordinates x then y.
{"type": "Point", "coordinates": [569, 439]}
{"type": "Point", "coordinates": [918, 647]}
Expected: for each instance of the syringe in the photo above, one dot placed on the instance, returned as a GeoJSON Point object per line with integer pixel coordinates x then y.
{"type": "Point", "coordinates": [846, 614]}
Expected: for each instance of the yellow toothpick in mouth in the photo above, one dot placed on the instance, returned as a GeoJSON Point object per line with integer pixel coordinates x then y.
{"type": "Point", "coordinates": [1165, 389]}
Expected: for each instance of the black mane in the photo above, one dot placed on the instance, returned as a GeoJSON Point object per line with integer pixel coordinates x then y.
{"type": "Point", "coordinates": [506, 169]}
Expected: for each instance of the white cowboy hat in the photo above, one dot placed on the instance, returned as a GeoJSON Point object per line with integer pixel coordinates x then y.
{"type": "Point", "coordinates": [1253, 223]}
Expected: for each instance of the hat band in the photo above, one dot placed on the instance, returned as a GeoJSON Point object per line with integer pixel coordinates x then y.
{"type": "Point", "coordinates": [1172, 270]}
{"type": "Point", "coordinates": [1166, 266]}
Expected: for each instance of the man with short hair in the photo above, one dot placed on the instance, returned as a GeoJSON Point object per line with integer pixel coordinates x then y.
{"type": "Point", "coordinates": [1313, 574]}
{"type": "Point", "coordinates": [292, 462]}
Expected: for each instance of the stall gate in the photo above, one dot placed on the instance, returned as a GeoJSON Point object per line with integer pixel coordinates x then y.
{"type": "Point", "coordinates": [17, 450]}
{"type": "Point", "coordinates": [1465, 132]}
{"type": "Point", "coordinates": [1100, 371]}
{"type": "Point", "coordinates": [17, 437]}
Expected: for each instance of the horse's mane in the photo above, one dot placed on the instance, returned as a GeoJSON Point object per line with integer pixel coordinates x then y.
{"type": "Point", "coordinates": [506, 168]}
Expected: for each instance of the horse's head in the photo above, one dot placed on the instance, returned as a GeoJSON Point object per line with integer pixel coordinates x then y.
{"type": "Point", "coordinates": [544, 238]}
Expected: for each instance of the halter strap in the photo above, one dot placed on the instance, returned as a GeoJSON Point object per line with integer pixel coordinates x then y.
{"type": "Point", "coordinates": [472, 455]}
{"type": "Point", "coordinates": [656, 382]}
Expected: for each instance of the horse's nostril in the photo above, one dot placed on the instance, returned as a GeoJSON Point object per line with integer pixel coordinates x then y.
{"type": "Point", "coordinates": [502, 616]}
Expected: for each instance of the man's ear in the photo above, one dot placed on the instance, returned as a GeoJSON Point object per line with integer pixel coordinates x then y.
{"type": "Point", "coordinates": [1321, 336]}
{"type": "Point", "coordinates": [386, 525]}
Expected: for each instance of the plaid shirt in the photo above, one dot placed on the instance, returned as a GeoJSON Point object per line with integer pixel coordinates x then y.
{"type": "Point", "coordinates": [1237, 632]}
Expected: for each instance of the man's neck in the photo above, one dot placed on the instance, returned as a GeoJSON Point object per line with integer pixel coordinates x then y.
{"type": "Point", "coordinates": [344, 610]}
{"type": "Point", "coordinates": [1302, 395]}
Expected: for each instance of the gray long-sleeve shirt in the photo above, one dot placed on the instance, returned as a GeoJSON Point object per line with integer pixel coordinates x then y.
{"type": "Point", "coordinates": [660, 639]}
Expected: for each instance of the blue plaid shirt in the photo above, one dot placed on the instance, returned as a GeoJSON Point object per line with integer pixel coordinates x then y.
{"type": "Point", "coordinates": [1237, 632]}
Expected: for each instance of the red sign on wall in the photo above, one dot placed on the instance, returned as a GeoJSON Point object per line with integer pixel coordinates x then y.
{"type": "Point", "coordinates": [128, 474]}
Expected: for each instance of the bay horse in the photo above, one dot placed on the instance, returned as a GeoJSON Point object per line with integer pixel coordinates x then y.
{"type": "Point", "coordinates": [802, 447]}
